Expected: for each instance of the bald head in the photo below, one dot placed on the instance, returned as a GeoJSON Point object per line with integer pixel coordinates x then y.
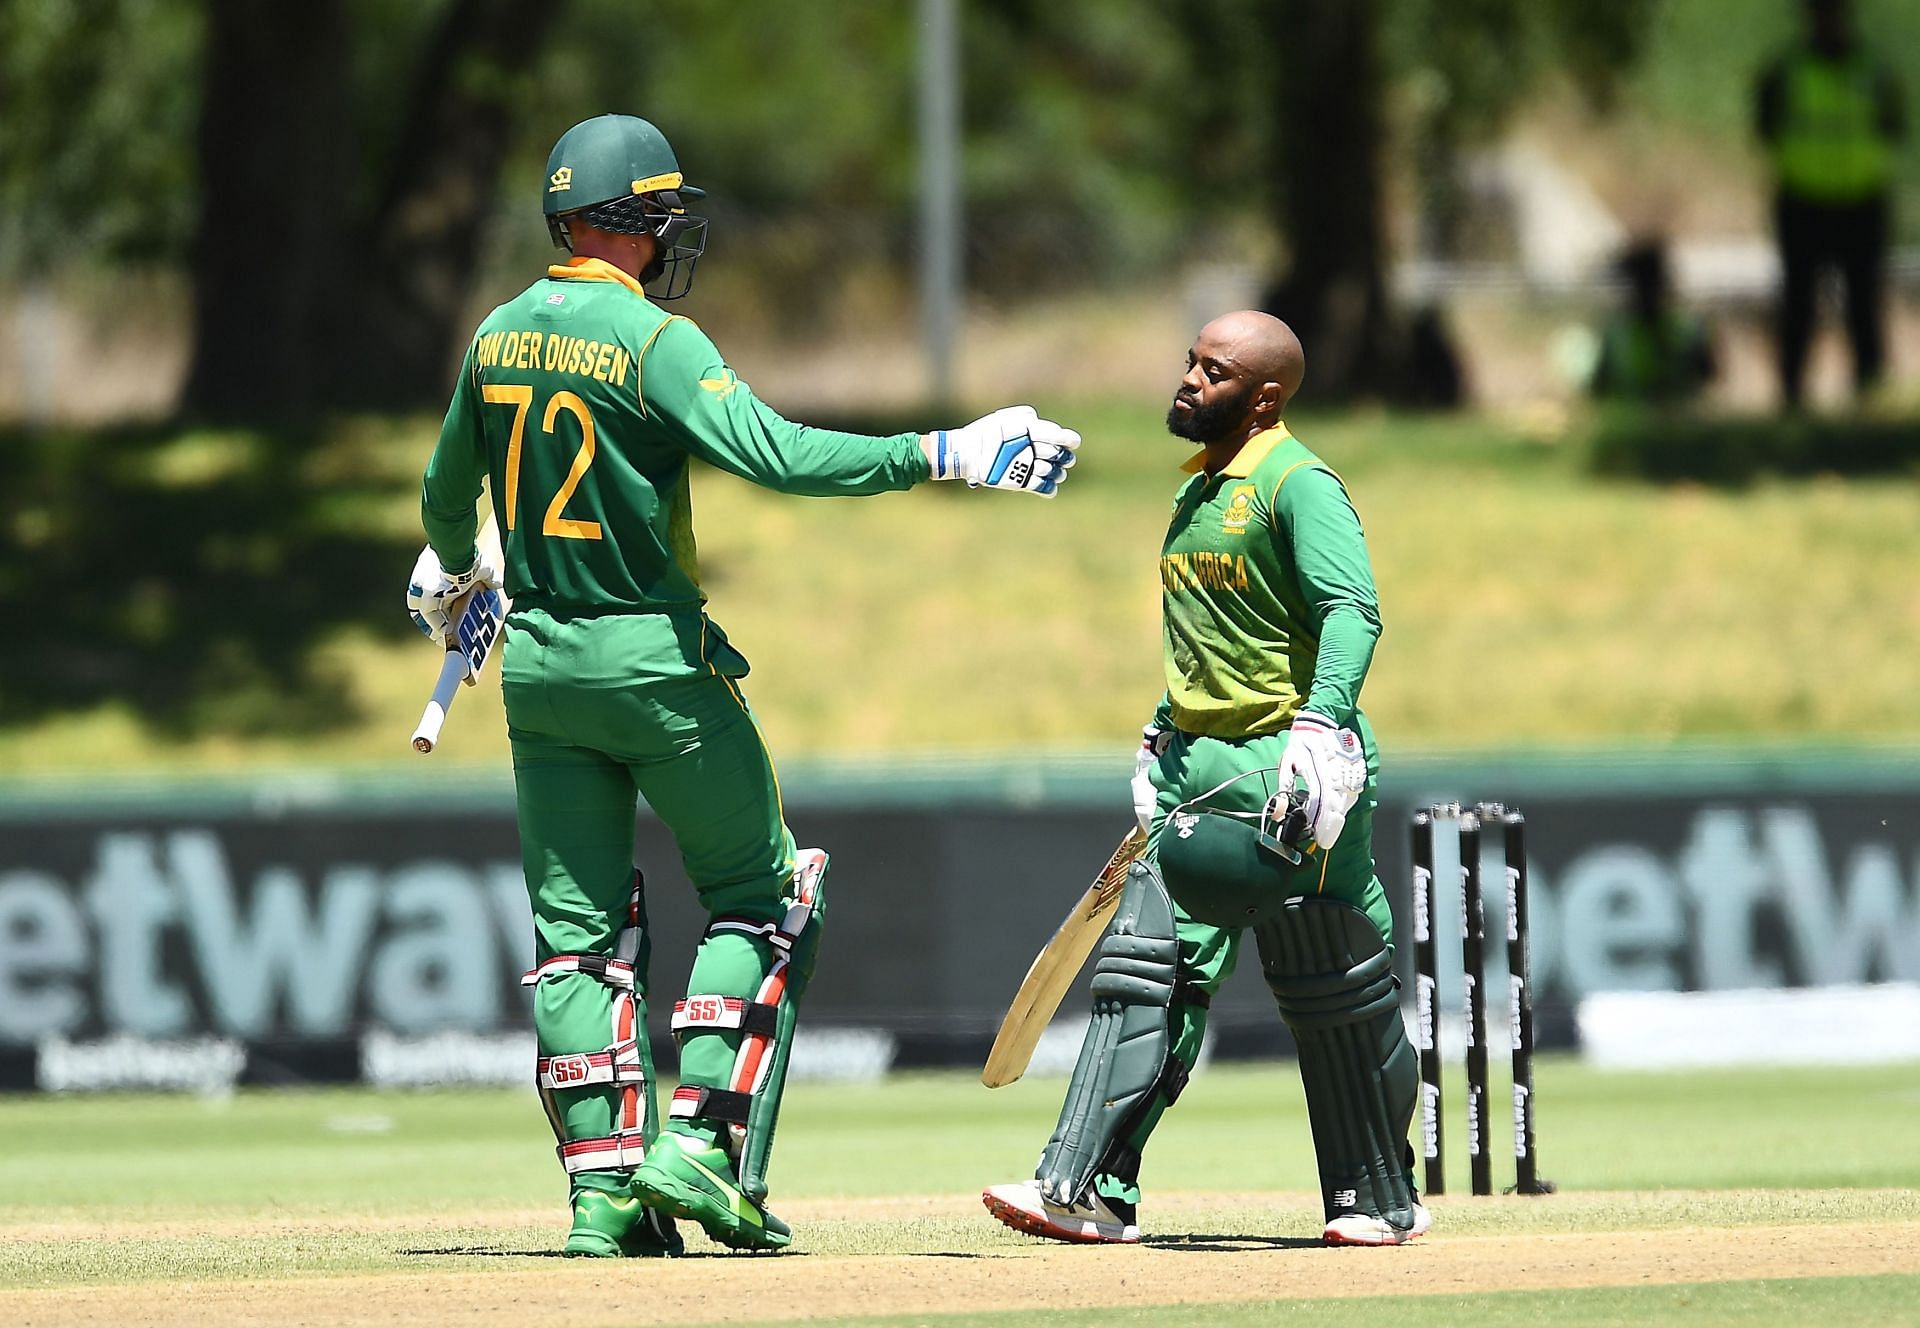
{"type": "Point", "coordinates": [1243, 369]}
{"type": "Point", "coordinates": [1262, 346]}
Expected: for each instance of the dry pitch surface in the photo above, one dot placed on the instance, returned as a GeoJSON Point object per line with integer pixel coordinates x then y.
{"type": "Point", "coordinates": [1772, 1197]}
{"type": "Point", "coordinates": [496, 1268]}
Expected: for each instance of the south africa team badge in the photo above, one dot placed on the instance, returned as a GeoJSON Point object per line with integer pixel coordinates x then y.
{"type": "Point", "coordinates": [1239, 511]}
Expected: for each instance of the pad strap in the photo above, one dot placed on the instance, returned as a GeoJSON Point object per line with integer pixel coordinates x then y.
{"type": "Point", "coordinates": [714, 1104]}
{"type": "Point", "coordinates": [616, 973]}
{"type": "Point", "coordinates": [726, 1012]}
{"type": "Point", "coordinates": [611, 1152]}
{"type": "Point", "coordinates": [620, 1072]}
{"type": "Point", "coordinates": [618, 1064]}
{"type": "Point", "coordinates": [748, 1101]}
{"type": "Point", "coordinates": [1186, 992]}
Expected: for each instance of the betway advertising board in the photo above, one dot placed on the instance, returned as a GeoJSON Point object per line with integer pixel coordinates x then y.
{"type": "Point", "coordinates": [201, 936]}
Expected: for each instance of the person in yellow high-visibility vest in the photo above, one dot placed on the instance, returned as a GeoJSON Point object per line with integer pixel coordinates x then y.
{"type": "Point", "coordinates": [1830, 115]}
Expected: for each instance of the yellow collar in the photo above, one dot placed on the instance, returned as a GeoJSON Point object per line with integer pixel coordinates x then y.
{"type": "Point", "coordinates": [594, 269]}
{"type": "Point", "coordinates": [1251, 454]}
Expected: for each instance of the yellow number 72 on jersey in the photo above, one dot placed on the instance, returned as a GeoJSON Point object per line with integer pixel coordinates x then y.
{"type": "Point", "coordinates": [520, 397]}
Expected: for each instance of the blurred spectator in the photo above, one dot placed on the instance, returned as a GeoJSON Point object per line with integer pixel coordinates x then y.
{"type": "Point", "coordinates": [1831, 116]}
{"type": "Point", "coordinates": [1650, 351]}
{"type": "Point", "coordinates": [1430, 376]}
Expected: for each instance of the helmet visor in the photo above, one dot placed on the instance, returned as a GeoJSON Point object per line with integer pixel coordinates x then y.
{"type": "Point", "coordinates": [679, 239]}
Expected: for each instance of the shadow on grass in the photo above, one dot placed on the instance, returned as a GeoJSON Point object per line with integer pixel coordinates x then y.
{"type": "Point", "coordinates": [190, 574]}
{"type": "Point", "coordinates": [1730, 452]}
{"type": "Point", "coordinates": [496, 1252]}
{"type": "Point", "coordinates": [1197, 1243]}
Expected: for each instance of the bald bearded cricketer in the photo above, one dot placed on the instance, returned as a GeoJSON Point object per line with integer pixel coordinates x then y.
{"type": "Point", "coordinates": [1269, 622]}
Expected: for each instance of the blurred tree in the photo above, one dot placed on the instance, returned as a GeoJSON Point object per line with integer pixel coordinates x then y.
{"type": "Point", "coordinates": [1469, 63]}
{"type": "Point", "coordinates": [1327, 164]}
{"type": "Point", "coordinates": [331, 268]}
{"type": "Point", "coordinates": [1465, 66]}
{"type": "Point", "coordinates": [1097, 166]}
{"type": "Point", "coordinates": [96, 161]}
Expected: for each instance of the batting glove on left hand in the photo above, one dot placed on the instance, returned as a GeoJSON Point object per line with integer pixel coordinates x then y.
{"type": "Point", "coordinates": [1153, 745]}
{"type": "Point", "coordinates": [1330, 763]}
{"type": "Point", "coordinates": [433, 591]}
{"type": "Point", "coordinates": [1013, 448]}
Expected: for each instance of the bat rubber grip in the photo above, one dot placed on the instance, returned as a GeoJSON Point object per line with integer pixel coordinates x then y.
{"type": "Point", "coordinates": [453, 672]}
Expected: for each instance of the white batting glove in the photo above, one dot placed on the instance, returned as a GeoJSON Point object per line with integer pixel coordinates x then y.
{"type": "Point", "coordinates": [1331, 765]}
{"type": "Point", "coordinates": [1013, 448]}
{"type": "Point", "coordinates": [433, 591]}
{"type": "Point", "coordinates": [1153, 745]}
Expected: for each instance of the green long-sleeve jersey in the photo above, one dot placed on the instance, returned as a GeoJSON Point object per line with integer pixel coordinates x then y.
{"type": "Point", "coordinates": [581, 403]}
{"type": "Point", "coordinates": [1267, 598]}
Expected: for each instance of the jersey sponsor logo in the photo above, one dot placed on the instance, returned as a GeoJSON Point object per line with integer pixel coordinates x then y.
{"type": "Point", "coordinates": [721, 387]}
{"type": "Point", "coordinates": [1239, 511]}
{"type": "Point", "coordinates": [560, 181]}
{"type": "Point", "coordinates": [558, 297]}
{"type": "Point", "coordinates": [1203, 571]}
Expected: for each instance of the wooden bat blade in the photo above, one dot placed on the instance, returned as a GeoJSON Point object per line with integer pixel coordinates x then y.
{"type": "Point", "coordinates": [1054, 968]}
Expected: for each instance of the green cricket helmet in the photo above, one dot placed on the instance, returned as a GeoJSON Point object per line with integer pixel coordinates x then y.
{"type": "Point", "coordinates": [618, 173]}
{"type": "Point", "coordinates": [1234, 869]}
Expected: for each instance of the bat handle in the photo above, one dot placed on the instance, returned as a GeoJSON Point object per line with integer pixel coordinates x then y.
{"type": "Point", "coordinates": [453, 672]}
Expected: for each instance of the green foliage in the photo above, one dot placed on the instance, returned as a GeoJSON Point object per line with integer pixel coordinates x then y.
{"type": "Point", "coordinates": [1102, 141]}
{"type": "Point", "coordinates": [1097, 135]}
{"type": "Point", "coordinates": [1470, 64]}
{"type": "Point", "coordinates": [792, 106]}
{"type": "Point", "coordinates": [98, 101]}
{"type": "Point", "coordinates": [1463, 68]}
{"type": "Point", "coordinates": [1086, 154]}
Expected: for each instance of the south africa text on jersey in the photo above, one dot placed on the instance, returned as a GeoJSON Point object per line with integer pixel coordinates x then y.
{"type": "Point", "coordinates": [1203, 571]}
{"type": "Point", "coordinates": [555, 353]}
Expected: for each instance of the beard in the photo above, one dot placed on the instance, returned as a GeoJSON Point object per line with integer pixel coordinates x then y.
{"type": "Point", "coordinates": [1211, 422]}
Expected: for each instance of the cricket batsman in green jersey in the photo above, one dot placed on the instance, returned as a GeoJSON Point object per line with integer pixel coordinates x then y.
{"type": "Point", "coordinates": [581, 406]}
{"type": "Point", "coordinates": [1256, 784]}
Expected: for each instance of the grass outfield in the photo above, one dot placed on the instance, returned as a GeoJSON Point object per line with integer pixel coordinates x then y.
{"type": "Point", "coordinates": [1722, 1197]}
{"type": "Point", "coordinates": [1549, 607]}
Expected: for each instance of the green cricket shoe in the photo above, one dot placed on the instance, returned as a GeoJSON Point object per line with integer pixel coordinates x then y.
{"type": "Point", "coordinates": [687, 1180]}
{"type": "Point", "coordinates": [619, 1226]}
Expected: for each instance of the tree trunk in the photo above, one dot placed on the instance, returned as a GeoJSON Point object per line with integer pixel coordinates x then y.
{"type": "Point", "coordinates": [1327, 170]}
{"type": "Point", "coordinates": [423, 237]}
{"type": "Point", "coordinates": [276, 168]}
{"type": "Point", "coordinates": [306, 301]}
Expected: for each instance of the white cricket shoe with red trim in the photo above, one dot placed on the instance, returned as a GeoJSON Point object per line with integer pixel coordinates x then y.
{"type": "Point", "coordinates": [1363, 1229]}
{"type": "Point", "coordinates": [1098, 1221]}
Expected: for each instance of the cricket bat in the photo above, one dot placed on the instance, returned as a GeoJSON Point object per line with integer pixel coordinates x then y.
{"type": "Point", "coordinates": [1056, 965]}
{"type": "Point", "coordinates": [478, 617]}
